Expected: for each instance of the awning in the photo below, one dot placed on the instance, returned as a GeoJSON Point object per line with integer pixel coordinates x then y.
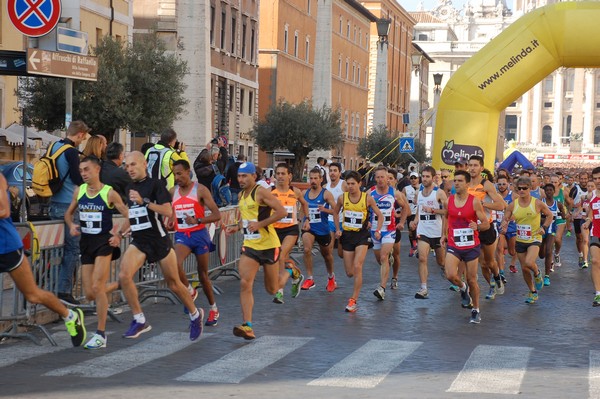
{"type": "Point", "coordinates": [15, 139]}
{"type": "Point", "coordinates": [34, 134]}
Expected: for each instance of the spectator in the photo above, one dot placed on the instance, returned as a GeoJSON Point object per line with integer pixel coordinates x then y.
{"type": "Point", "coordinates": [68, 170]}
{"type": "Point", "coordinates": [145, 147]}
{"type": "Point", "coordinates": [162, 155]}
{"type": "Point", "coordinates": [322, 165]}
{"type": "Point", "coordinates": [260, 178]}
{"type": "Point", "coordinates": [221, 161]}
{"type": "Point", "coordinates": [231, 177]}
{"type": "Point", "coordinates": [112, 172]}
{"type": "Point", "coordinates": [203, 166]}
{"type": "Point", "coordinates": [95, 146]}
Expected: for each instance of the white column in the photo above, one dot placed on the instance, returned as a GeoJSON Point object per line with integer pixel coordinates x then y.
{"type": "Point", "coordinates": [588, 118]}
{"type": "Point", "coordinates": [536, 114]}
{"type": "Point", "coordinates": [381, 82]}
{"type": "Point", "coordinates": [558, 106]}
{"type": "Point", "coordinates": [193, 33]}
{"type": "Point", "coordinates": [526, 134]}
{"type": "Point", "coordinates": [323, 52]}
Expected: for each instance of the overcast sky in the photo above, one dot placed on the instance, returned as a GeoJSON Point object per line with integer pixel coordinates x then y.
{"type": "Point", "coordinates": [411, 5]}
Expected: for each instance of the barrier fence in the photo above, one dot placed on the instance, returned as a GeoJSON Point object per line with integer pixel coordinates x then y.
{"type": "Point", "coordinates": [43, 243]}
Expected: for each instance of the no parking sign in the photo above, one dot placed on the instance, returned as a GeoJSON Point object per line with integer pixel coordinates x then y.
{"type": "Point", "coordinates": [34, 18]}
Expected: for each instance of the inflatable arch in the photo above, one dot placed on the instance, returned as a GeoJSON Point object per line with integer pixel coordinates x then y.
{"type": "Point", "coordinates": [562, 34]}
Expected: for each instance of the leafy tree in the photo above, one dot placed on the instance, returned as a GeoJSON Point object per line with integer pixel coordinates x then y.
{"type": "Point", "coordinates": [382, 146]}
{"type": "Point", "coordinates": [140, 87]}
{"type": "Point", "coordinates": [300, 129]}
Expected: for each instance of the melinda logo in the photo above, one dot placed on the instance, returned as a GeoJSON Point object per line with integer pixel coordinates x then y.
{"type": "Point", "coordinates": [452, 152]}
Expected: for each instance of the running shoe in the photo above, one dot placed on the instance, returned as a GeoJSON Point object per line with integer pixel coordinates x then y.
{"type": "Point", "coordinates": [584, 265]}
{"type": "Point", "coordinates": [351, 306]}
{"type": "Point", "coordinates": [194, 294]}
{"type": "Point", "coordinates": [513, 269]}
{"type": "Point", "coordinates": [411, 252]}
{"type": "Point", "coordinates": [417, 254]}
{"type": "Point", "coordinates": [244, 331]}
{"type": "Point", "coordinates": [135, 329]}
{"type": "Point", "coordinates": [557, 260]}
{"type": "Point", "coordinates": [278, 298]}
{"type": "Point", "coordinates": [475, 317]}
{"type": "Point", "coordinates": [503, 279]}
{"type": "Point", "coordinates": [213, 318]}
{"type": "Point", "coordinates": [97, 342]}
{"type": "Point", "coordinates": [331, 284]}
{"type": "Point", "coordinates": [596, 302]}
{"type": "Point", "coordinates": [67, 299]}
{"type": "Point", "coordinates": [580, 262]}
{"type": "Point", "coordinates": [379, 293]}
{"type": "Point", "coordinates": [492, 292]}
{"type": "Point", "coordinates": [76, 328]}
{"type": "Point", "coordinates": [422, 294]}
{"type": "Point", "coordinates": [296, 284]}
{"type": "Point", "coordinates": [454, 288]}
{"type": "Point", "coordinates": [196, 326]}
{"type": "Point", "coordinates": [394, 284]}
{"type": "Point", "coordinates": [532, 298]}
{"type": "Point", "coordinates": [499, 286]}
{"type": "Point", "coordinates": [568, 233]}
{"type": "Point", "coordinates": [465, 299]}
{"type": "Point", "coordinates": [308, 284]}
{"type": "Point", "coordinates": [539, 281]}
{"type": "Point", "coordinates": [546, 280]}
{"type": "Point", "coordinates": [552, 268]}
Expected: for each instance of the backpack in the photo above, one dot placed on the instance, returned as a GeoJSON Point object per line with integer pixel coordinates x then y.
{"type": "Point", "coordinates": [323, 175]}
{"type": "Point", "coordinates": [46, 180]}
{"type": "Point", "coordinates": [219, 189]}
{"type": "Point", "coordinates": [155, 158]}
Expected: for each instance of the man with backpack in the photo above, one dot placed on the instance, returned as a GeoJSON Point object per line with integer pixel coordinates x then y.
{"type": "Point", "coordinates": [161, 156]}
{"type": "Point", "coordinates": [210, 170]}
{"type": "Point", "coordinates": [67, 164]}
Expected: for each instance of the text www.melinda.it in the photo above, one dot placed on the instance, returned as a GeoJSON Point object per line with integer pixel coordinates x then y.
{"type": "Point", "coordinates": [514, 60]}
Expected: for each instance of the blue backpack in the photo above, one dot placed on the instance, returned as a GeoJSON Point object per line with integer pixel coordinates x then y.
{"type": "Point", "coordinates": [219, 189]}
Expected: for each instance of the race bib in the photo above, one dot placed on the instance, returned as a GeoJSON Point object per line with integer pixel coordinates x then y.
{"type": "Point", "coordinates": [524, 232]}
{"type": "Point", "coordinates": [248, 235]}
{"type": "Point", "coordinates": [91, 222]}
{"type": "Point", "coordinates": [290, 218]}
{"type": "Point", "coordinates": [387, 219]}
{"type": "Point", "coordinates": [353, 219]}
{"type": "Point", "coordinates": [499, 215]}
{"type": "Point", "coordinates": [181, 216]}
{"type": "Point", "coordinates": [139, 219]}
{"type": "Point", "coordinates": [314, 215]}
{"type": "Point", "coordinates": [463, 237]}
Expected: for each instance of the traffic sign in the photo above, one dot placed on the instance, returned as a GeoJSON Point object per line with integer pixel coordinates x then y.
{"type": "Point", "coordinates": [34, 18]}
{"type": "Point", "coordinates": [71, 41]}
{"type": "Point", "coordinates": [407, 145]}
{"type": "Point", "coordinates": [13, 63]}
{"type": "Point", "coordinates": [61, 65]}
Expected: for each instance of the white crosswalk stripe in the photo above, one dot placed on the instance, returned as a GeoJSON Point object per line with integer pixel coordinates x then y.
{"type": "Point", "coordinates": [594, 375]}
{"type": "Point", "coordinates": [367, 366]}
{"type": "Point", "coordinates": [242, 363]}
{"type": "Point", "coordinates": [18, 353]}
{"type": "Point", "coordinates": [493, 369]}
{"type": "Point", "coordinates": [125, 359]}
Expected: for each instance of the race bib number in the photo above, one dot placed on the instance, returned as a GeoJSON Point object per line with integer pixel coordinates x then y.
{"type": "Point", "coordinates": [353, 219]}
{"type": "Point", "coordinates": [91, 222]}
{"type": "Point", "coordinates": [499, 215]}
{"type": "Point", "coordinates": [291, 215]}
{"type": "Point", "coordinates": [314, 215]}
{"type": "Point", "coordinates": [387, 219]}
{"type": "Point", "coordinates": [181, 216]}
{"type": "Point", "coordinates": [139, 219]}
{"type": "Point", "coordinates": [248, 235]}
{"type": "Point", "coordinates": [524, 232]}
{"type": "Point", "coordinates": [464, 237]}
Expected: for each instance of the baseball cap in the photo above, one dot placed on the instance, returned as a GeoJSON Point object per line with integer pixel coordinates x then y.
{"type": "Point", "coordinates": [414, 174]}
{"type": "Point", "coordinates": [247, 167]}
{"type": "Point", "coordinates": [461, 161]}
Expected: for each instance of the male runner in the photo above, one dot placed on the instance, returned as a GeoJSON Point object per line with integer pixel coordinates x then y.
{"type": "Point", "coordinates": [462, 239]}
{"type": "Point", "coordinates": [315, 227]}
{"type": "Point", "coordinates": [14, 262]}
{"type": "Point", "coordinates": [190, 200]}
{"type": "Point", "coordinates": [561, 221]}
{"type": "Point", "coordinates": [548, 238]}
{"type": "Point", "coordinates": [149, 201]}
{"type": "Point", "coordinates": [259, 209]}
{"type": "Point", "coordinates": [507, 240]}
{"type": "Point", "coordinates": [411, 192]}
{"type": "Point", "coordinates": [592, 223]}
{"type": "Point", "coordinates": [401, 213]}
{"type": "Point", "coordinates": [580, 198]}
{"type": "Point", "coordinates": [355, 234]}
{"type": "Point", "coordinates": [99, 245]}
{"type": "Point", "coordinates": [337, 187]}
{"type": "Point", "coordinates": [429, 225]}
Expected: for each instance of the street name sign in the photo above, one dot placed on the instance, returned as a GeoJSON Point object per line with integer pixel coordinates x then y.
{"type": "Point", "coordinates": [62, 65]}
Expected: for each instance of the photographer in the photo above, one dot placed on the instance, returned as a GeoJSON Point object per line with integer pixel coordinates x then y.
{"type": "Point", "coordinates": [161, 156]}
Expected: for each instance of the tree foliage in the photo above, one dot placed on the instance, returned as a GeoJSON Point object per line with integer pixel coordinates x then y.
{"type": "Point", "coordinates": [300, 129]}
{"type": "Point", "coordinates": [140, 87]}
{"type": "Point", "coordinates": [382, 146]}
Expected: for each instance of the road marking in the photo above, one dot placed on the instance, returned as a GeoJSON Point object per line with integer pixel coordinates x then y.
{"type": "Point", "coordinates": [493, 369]}
{"type": "Point", "coordinates": [129, 358]}
{"type": "Point", "coordinates": [594, 375]}
{"type": "Point", "coordinates": [368, 365]}
{"type": "Point", "coordinates": [16, 353]}
{"type": "Point", "coordinates": [242, 363]}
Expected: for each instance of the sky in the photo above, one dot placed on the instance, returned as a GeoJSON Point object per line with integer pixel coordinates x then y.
{"type": "Point", "coordinates": [411, 5]}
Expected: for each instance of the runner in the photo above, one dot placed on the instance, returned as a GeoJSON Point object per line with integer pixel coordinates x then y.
{"type": "Point", "coordinates": [149, 201]}
{"type": "Point", "coordinates": [580, 200]}
{"type": "Point", "coordinates": [287, 229]}
{"type": "Point", "coordinates": [315, 227]}
{"type": "Point", "coordinates": [592, 223]}
{"type": "Point", "coordinates": [526, 212]}
{"type": "Point", "coordinates": [337, 187]}
{"type": "Point", "coordinates": [14, 262]}
{"type": "Point", "coordinates": [401, 212]}
{"type": "Point", "coordinates": [482, 189]}
{"type": "Point", "coordinates": [99, 244]}
{"type": "Point", "coordinates": [506, 240]}
{"type": "Point", "coordinates": [258, 209]}
{"type": "Point", "coordinates": [548, 238]}
{"type": "Point", "coordinates": [462, 239]}
{"type": "Point", "coordinates": [429, 225]}
{"type": "Point", "coordinates": [190, 203]}
{"type": "Point", "coordinates": [385, 198]}
{"type": "Point", "coordinates": [561, 221]}
{"type": "Point", "coordinates": [355, 236]}
{"type": "Point", "coordinates": [411, 192]}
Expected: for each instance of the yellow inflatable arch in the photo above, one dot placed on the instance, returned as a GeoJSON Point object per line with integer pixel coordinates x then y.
{"type": "Point", "coordinates": [563, 34]}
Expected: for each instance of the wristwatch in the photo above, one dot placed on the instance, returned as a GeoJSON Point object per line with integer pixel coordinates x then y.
{"type": "Point", "coordinates": [146, 201]}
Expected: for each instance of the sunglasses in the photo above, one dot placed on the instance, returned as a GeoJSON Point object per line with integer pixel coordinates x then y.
{"type": "Point", "coordinates": [445, 177]}
{"type": "Point", "coordinates": [522, 188]}
{"type": "Point", "coordinates": [413, 177]}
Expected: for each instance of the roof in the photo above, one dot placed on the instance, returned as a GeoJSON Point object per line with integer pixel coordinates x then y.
{"type": "Point", "coordinates": [33, 134]}
{"type": "Point", "coordinates": [362, 9]}
{"type": "Point", "coordinates": [425, 17]}
{"type": "Point", "coordinates": [14, 138]}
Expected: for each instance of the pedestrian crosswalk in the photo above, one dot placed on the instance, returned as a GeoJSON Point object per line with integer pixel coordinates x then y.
{"type": "Point", "coordinates": [487, 369]}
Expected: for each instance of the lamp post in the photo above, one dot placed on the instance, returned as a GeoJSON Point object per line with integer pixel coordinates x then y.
{"type": "Point", "coordinates": [381, 73]}
{"type": "Point", "coordinates": [437, 91]}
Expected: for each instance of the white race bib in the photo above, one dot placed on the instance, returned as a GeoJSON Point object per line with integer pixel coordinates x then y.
{"type": "Point", "coordinates": [91, 222]}
{"type": "Point", "coordinates": [314, 215]}
{"type": "Point", "coordinates": [387, 219]}
{"type": "Point", "coordinates": [139, 219]}
{"type": "Point", "coordinates": [524, 232]}
{"type": "Point", "coordinates": [290, 218]}
{"type": "Point", "coordinates": [247, 235]}
{"type": "Point", "coordinates": [181, 216]}
{"type": "Point", "coordinates": [353, 219]}
{"type": "Point", "coordinates": [463, 237]}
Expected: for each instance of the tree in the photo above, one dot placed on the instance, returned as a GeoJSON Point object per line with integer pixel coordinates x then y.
{"type": "Point", "coordinates": [300, 129]}
{"type": "Point", "coordinates": [382, 146]}
{"type": "Point", "coordinates": [140, 87]}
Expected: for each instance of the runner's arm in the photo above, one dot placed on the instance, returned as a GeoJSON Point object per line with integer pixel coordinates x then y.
{"type": "Point", "coordinates": [401, 198]}
{"type": "Point", "coordinates": [485, 224]}
{"type": "Point", "coordinates": [543, 208]}
{"type": "Point", "coordinates": [117, 201]}
{"type": "Point", "coordinates": [71, 210]}
{"type": "Point", "coordinates": [205, 197]}
{"type": "Point", "coordinates": [371, 203]}
{"type": "Point", "coordinates": [264, 196]}
{"type": "Point", "coordinates": [498, 203]}
{"type": "Point", "coordinates": [303, 203]}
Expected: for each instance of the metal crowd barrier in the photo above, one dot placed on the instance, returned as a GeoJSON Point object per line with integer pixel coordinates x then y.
{"type": "Point", "coordinates": [44, 242]}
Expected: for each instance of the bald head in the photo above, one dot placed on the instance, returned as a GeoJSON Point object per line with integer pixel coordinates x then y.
{"type": "Point", "coordinates": [135, 163]}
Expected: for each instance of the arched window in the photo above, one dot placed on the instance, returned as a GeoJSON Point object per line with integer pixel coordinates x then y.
{"type": "Point", "coordinates": [547, 135]}
{"type": "Point", "coordinates": [597, 135]}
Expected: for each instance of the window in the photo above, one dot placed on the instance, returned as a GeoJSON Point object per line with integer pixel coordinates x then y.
{"type": "Point", "coordinates": [308, 7]}
{"type": "Point", "coordinates": [285, 39]}
{"type": "Point", "coordinates": [348, 30]}
{"type": "Point", "coordinates": [353, 73]}
{"type": "Point", "coordinates": [341, 22]}
{"type": "Point", "coordinates": [252, 39]}
{"type": "Point", "coordinates": [597, 136]}
{"type": "Point", "coordinates": [233, 26]}
{"type": "Point", "coordinates": [358, 76]}
{"type": "Point", "coordinates": [241, 150]}
{"type": "Point", "coordinates": [548, 84]}
{"type": "Point", "coordinates": [347, 69]}
{"type": "Point", "coordinates": [354, 37]}
{"type": "Point", "coordinates": [98, 36]}
{"type": "Point", "coordinates": [231, 97]}
{"type": "Point", "coordinates": [223, 25]}
{"type": "Point", "coordinates": [212, 25]}
{"type": "Point", "coordinates": [360, 37]}
{"type": "Point", "coordinates": [510, 123]}
{"type": "Point", "coordinates": [242, 95]}
{"type": "Point", "coordinates": [352, 125]}
{"type": "Point", "coordinates": [118, 38]}
{"type": "Point", "coordinates": [547, 135]}
{"type": "Point", "coordinates": [250, 103]}
{"type": "Point", "coordinates": [367, 41]}
{"type": "Point", "coordinates": [250, 154]}
{"type": "Point", "coordinates": [340, 67]}
{"type": "Point", "coordinates": [548, 104]}
{"type": "Point", "coordinates": [307, 47]}
{"type": "Point", "coordinates": [346, 122]}
{"type": "Point", "coordinates": [296, 44]}
{"type": "Point", "coordinates": [244, 28]}
{"type": "Point", "coordinates": [569, 80]}
{"type": "Point", "coordinates": [422, 37]}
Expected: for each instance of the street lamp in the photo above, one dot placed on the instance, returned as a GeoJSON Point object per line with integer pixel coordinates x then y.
{"type": "Point", "coordinates": [437, 83]}
{"type": "Point", "coordinates": [383, 30]}
{"type": "Point", "coordinates": [381, 72]}
{"type": "Point", "coordinates": [416, 59]}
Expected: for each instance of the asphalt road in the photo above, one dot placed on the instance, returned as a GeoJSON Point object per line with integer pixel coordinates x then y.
{"type": "Point", "coordinates": [399, 348]}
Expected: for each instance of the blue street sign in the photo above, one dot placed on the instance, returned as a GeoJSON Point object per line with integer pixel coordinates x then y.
{"type": "Point", "coordinates": [407, 145]}
{"type": "Point", "coordinates": [72, 41]}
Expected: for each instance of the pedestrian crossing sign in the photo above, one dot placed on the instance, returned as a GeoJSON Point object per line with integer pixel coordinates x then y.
{"type": "Point", "coordinates": [407, 145]}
